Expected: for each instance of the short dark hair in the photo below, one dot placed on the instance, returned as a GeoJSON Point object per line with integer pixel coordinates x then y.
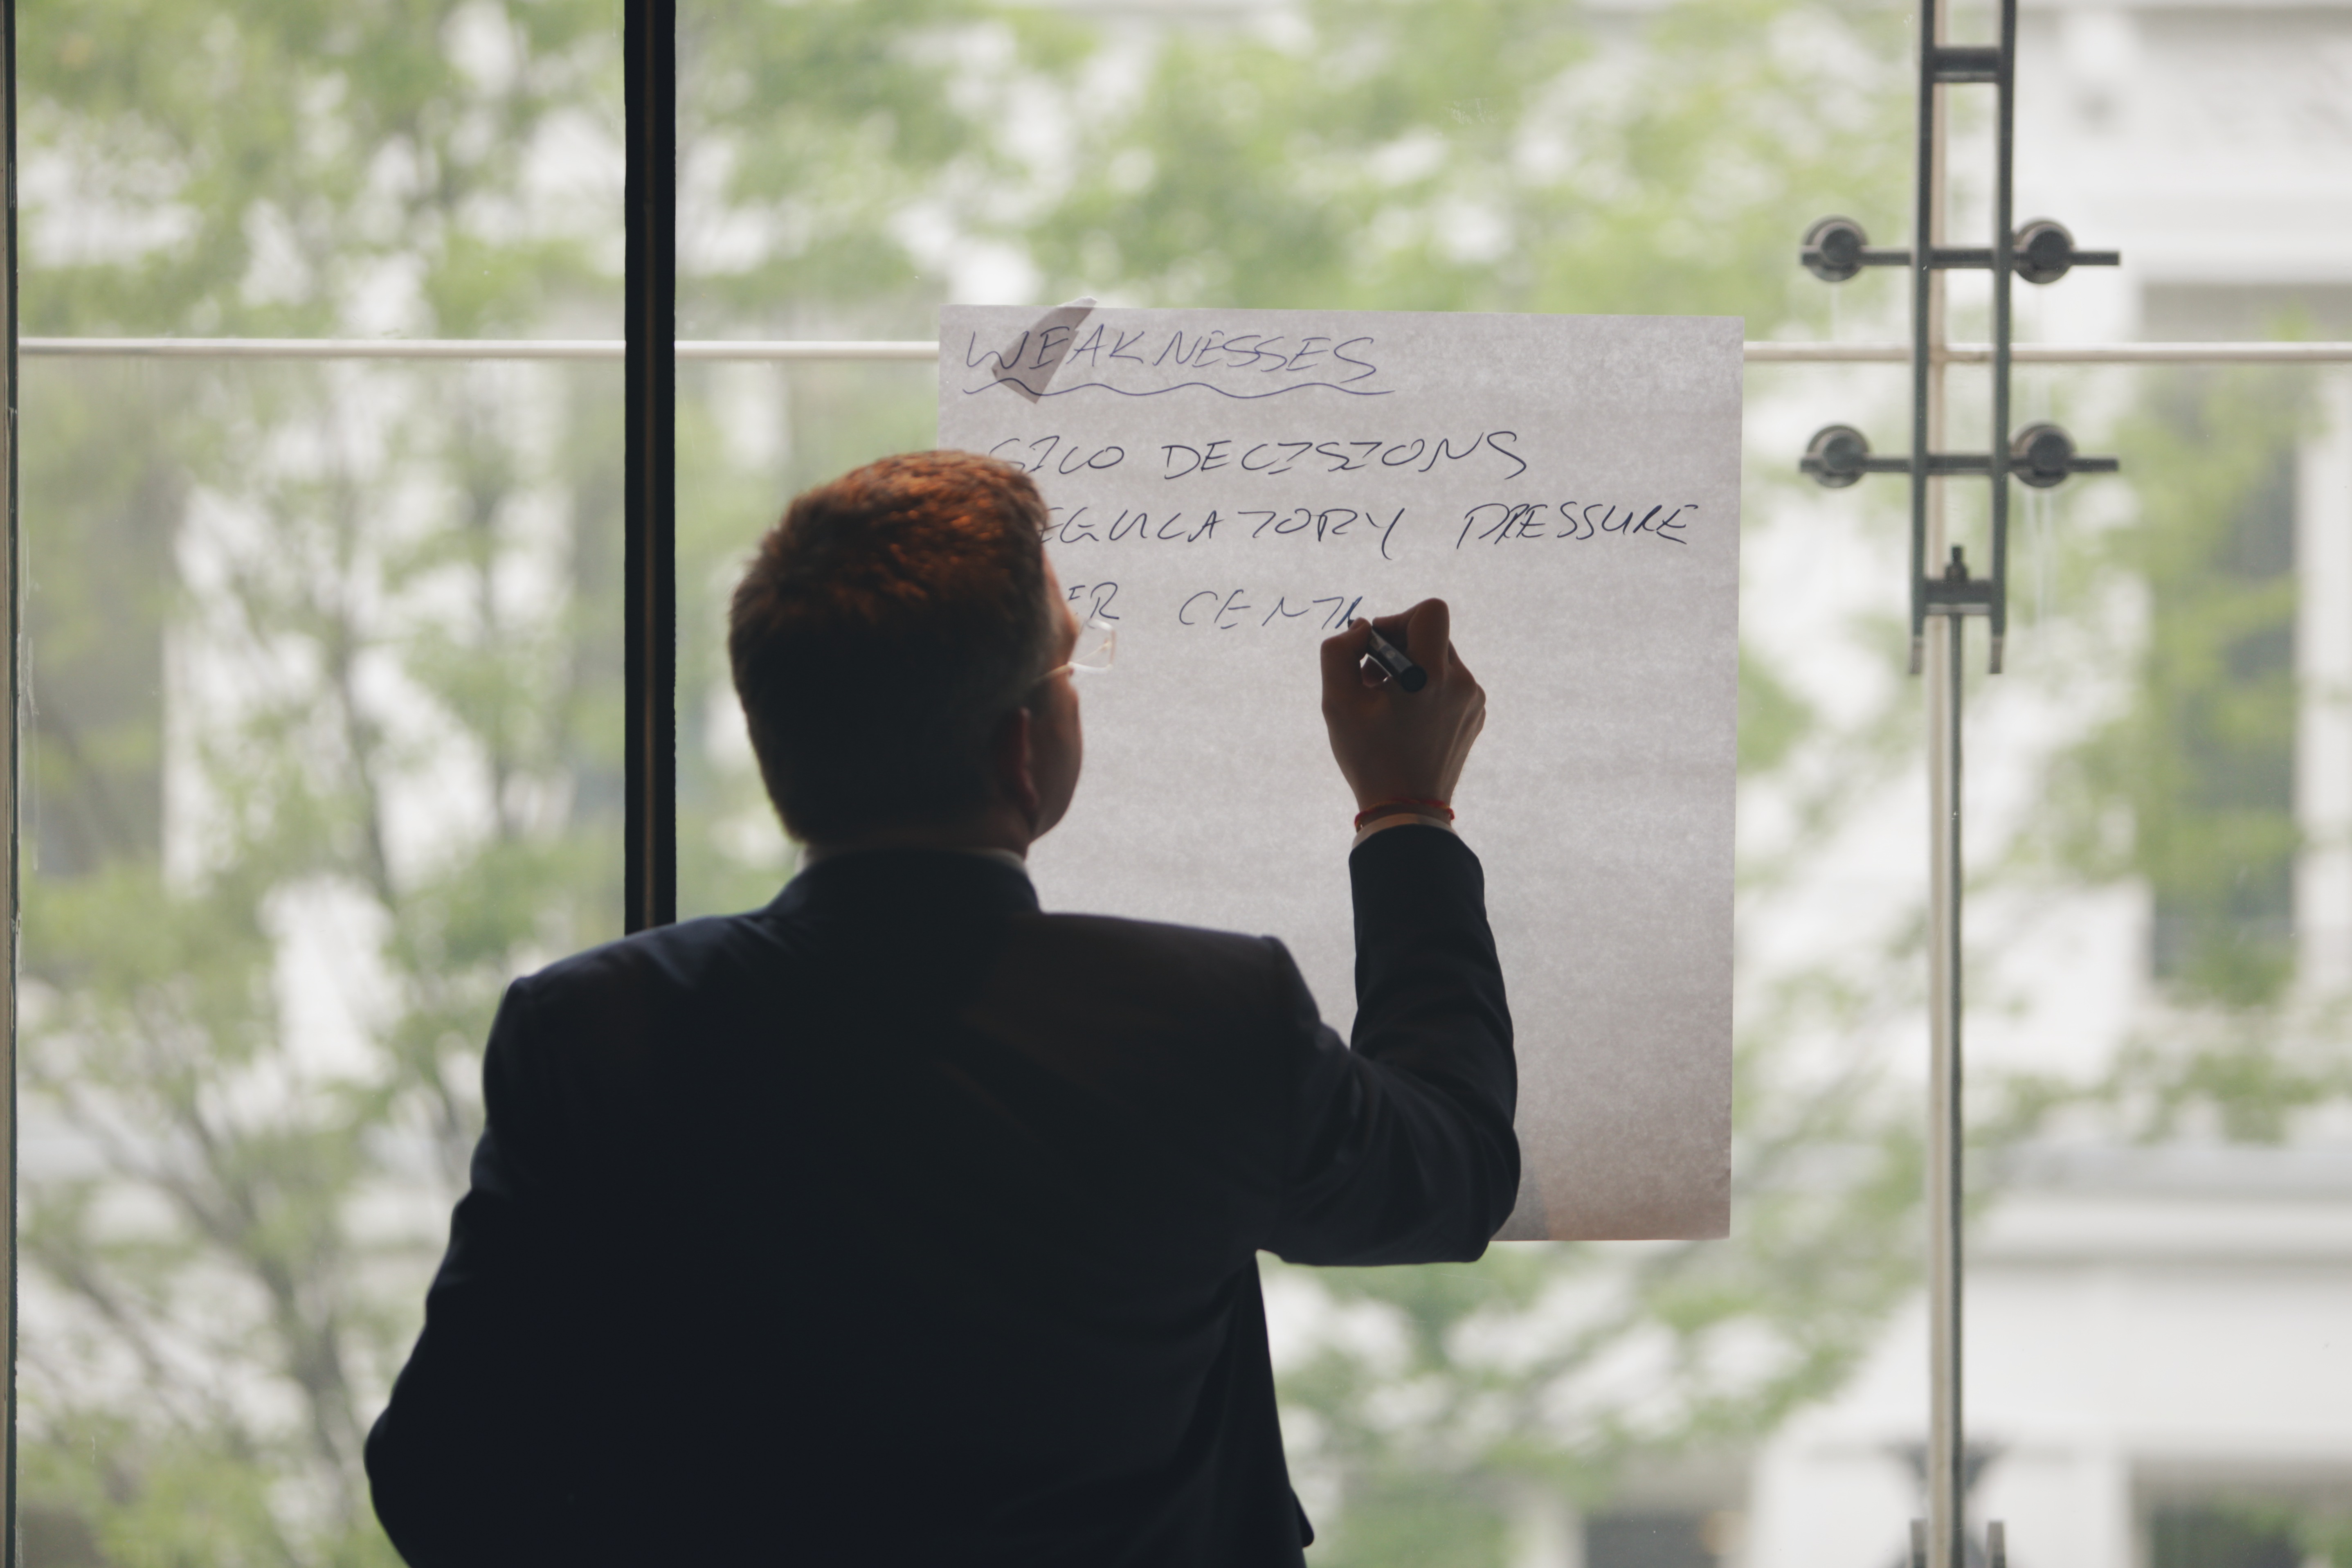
{"type": "Point", "coordinates": [884, 626]}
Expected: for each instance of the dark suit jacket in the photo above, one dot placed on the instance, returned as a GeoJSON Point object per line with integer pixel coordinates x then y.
{"type": "Point", "coordinates": [898, 1223]}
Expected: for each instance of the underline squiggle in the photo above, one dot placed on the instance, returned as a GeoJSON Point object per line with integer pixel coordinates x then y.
{"type": "Point", "coordinates": [1016, 381]}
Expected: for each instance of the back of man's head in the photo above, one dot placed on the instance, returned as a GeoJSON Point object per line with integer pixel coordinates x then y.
{"type": "Point", "coordinates": [886, 626]}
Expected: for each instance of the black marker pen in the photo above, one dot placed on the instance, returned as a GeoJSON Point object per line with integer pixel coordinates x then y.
{"type": "Point", "coordinates": [1394, 659]}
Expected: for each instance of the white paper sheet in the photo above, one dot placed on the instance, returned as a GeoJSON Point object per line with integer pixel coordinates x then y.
{"type": "Point", "coordinates": [1229, 486]}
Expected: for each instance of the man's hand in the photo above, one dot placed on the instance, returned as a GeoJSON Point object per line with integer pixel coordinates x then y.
{"type": "Point", "coordinates": [1393, 744]}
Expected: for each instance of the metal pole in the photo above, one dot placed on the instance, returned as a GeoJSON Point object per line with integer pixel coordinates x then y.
{"type": "Point", "coordinates": [1835, 250]}
{"type": "Point", "coordinates": [11, 765]}
{"type": "Point", "coordinates": [1945, 1446]}
{"type": "Point", "coordinates": [1927, 289]}
{"type": "Point", "coordinates": [2004, 271]}
{"type": "Point", "coordinates": [1941, 667]}
{"type": "Point", "coordinates": [770, 350]}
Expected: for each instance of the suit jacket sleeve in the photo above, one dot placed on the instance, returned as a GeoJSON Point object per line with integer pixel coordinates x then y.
{"type": "Point", "coordinates": [1403, 1151]}
{"type": "Point", "coordinates": [462, 1463]}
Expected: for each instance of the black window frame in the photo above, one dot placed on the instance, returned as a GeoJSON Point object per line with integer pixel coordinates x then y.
{"type": "Point", "coordinates": [649, 564]}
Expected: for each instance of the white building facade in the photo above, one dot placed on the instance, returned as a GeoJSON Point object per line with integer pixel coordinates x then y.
{"type": "Point", "coordinates": [2158, 1339]}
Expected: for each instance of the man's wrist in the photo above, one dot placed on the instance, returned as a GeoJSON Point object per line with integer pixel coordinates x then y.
{"type": "Point", "coordinates": [1407, 818]}
{"type": "Point", "coordinates": [1406, 805]}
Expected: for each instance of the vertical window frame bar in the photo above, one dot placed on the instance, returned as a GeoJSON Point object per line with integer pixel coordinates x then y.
{"type": "Point", "coordinates": [649, 570]}
{"type": "Point", "coordinates": [11, 674]}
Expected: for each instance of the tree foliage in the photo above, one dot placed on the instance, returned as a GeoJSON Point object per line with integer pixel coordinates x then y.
{"type": "Point", "coordinates": [325, 658]}
{"type": "Point", "coordinates": [2203, 756]}
{"type": "Point", "coordinates": [2188, 788]}
{"type": "Point", "coordinates": [1519, 157]}
{"type": "Point", "coordinates": [326, 671]}
{"type": "Point", "coordinates": [1503, 157]}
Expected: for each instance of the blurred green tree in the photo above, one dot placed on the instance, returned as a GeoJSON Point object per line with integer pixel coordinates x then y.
{"type": "Point", "coordinates": [2189, 788]}
{"type": "Point", "coordinates": [1523, 157]}
{"type": "Point", "coordinates": [1500, 156]}
{"type": "Point", "coordinates": [327, 660]}
{"type": "Point", "coordinates": [303, 600]}
{"type": "Point", "coordinates": [2203, 758]}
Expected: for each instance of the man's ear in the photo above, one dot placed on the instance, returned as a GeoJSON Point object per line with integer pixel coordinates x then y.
{"type": "Point", "coordinates": [1012, 766]}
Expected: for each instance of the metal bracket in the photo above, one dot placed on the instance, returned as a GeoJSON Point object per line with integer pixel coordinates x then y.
{"type": "Point", "coordinates": [1965, 63]}
{"type": "Point", "coordinates": [1836, 249]}
{"type": "Point", "coordinates": [1957, 594]}
{"type": "Point", "coordinates": [2043, 251]}
{"type": "Point", "coordinates": [1996, 1544]}
{"type": "Point", "coordinates": [2041, 455]}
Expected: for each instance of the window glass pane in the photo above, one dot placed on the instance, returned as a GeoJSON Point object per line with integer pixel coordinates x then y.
{"type": "Point", "coordinates": [2160, 787]}
{"type": "Point", "coordinates": [749, 436]}
{"type": "Point", "coordinates": [848, 168]}
{"type": "Point", "coordinates": [324, 668]}
{"type": "Point", "coordinates": [2157, 955]}
{"type": "Point", "coordinates": [322, 743]}
{"type": "Point", "coordinates": [836, 161]}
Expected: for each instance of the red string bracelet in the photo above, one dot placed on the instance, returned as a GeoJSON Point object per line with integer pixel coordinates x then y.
{"type": "Point", "coordinates": [1391, 807]}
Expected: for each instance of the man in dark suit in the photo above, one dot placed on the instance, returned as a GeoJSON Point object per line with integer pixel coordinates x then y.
{"type": "Point", "coordinates": [898, 1222]}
